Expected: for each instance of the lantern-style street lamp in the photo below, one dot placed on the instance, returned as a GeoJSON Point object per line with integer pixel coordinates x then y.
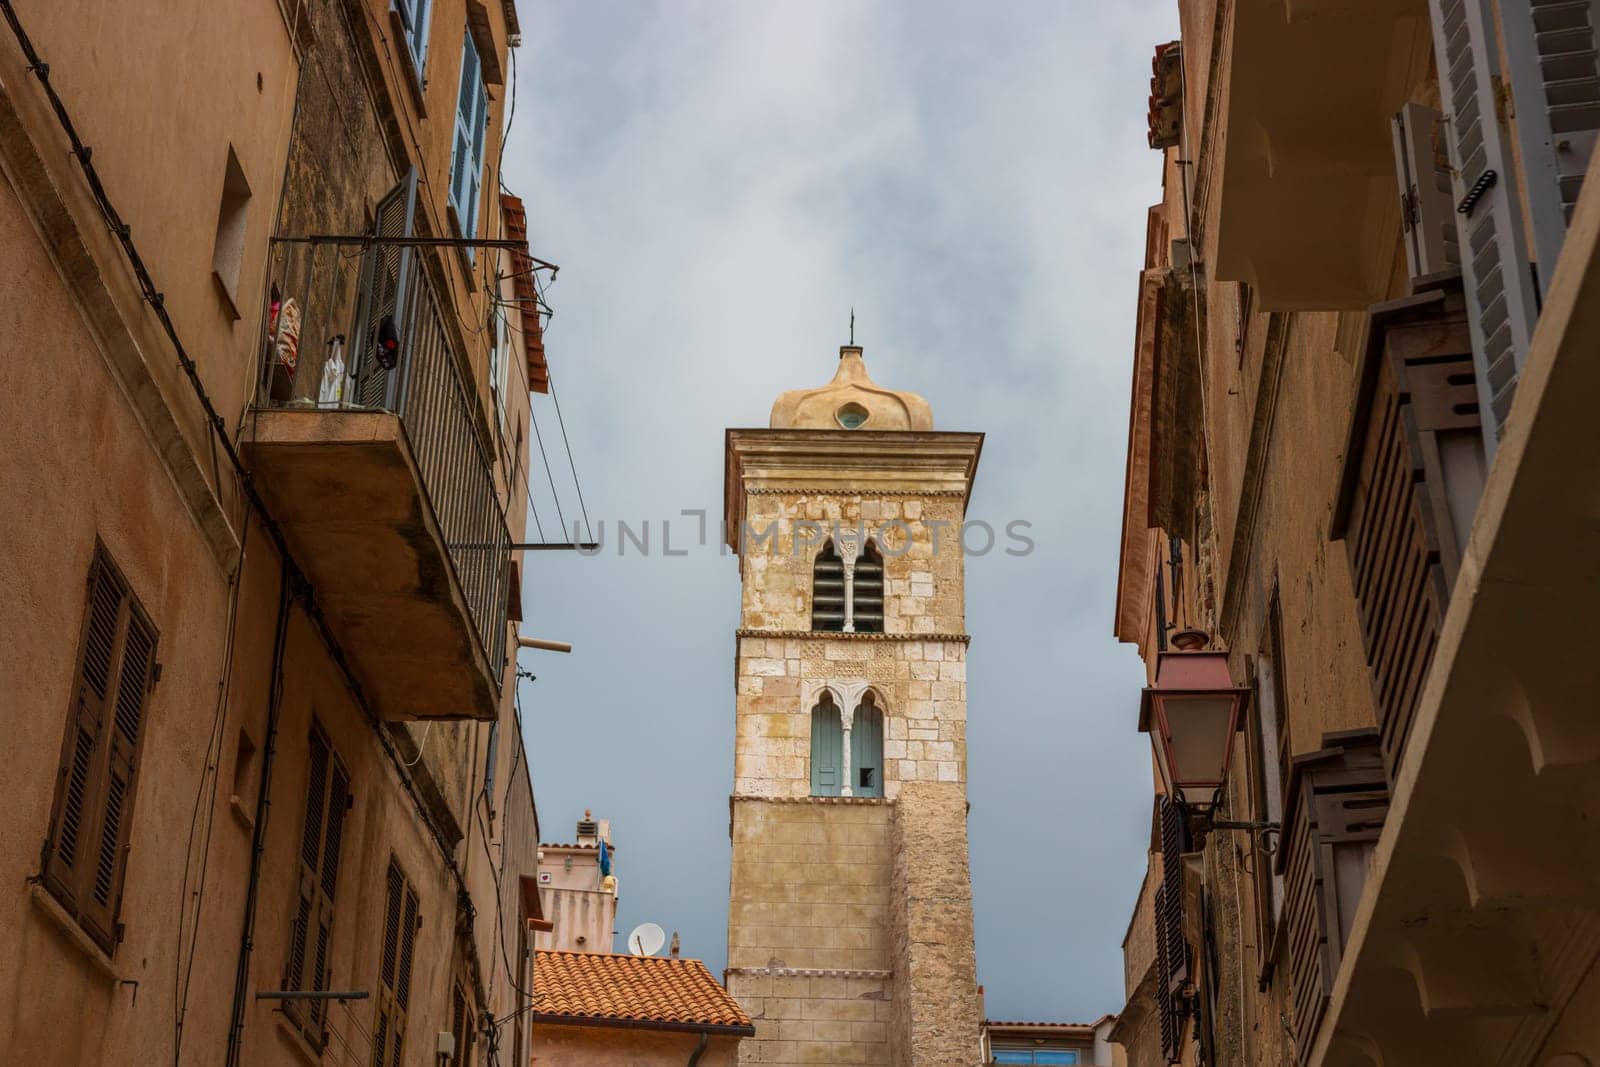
{"type": "Point", "coordinates": [1191, 715]}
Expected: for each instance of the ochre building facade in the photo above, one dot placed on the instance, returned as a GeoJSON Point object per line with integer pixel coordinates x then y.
{"type": "Point", "coordinates": [1368, 302]}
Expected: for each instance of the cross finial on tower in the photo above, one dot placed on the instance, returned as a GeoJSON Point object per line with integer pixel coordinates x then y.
{"type": "Point", "coordinates": [852, 325]}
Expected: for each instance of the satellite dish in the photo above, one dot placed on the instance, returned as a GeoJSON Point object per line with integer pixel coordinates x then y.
{"type": "Point", "coordinates": [646, 939]}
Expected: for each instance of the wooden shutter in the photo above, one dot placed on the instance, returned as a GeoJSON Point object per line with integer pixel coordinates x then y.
{"type": "Point", "coordinates": [466, 162]}
{"type": "Point", "coordinates": [394, 972]}
{"type": "Point", "coordinates": [1338, 799]}
{"type": "Point", "coordinates": [866, 587]}
{"type": "Point", "coordinates": [462, 1026]}
{"type": "Point", "coordinates": [827, 748]}
{"type": "Point", "coordinates": [85, 855]}
{"type": "Point", "coordinates": [1427, 214]}
{"type": "Point", "coordinates": [321, 842]}
{"type": "Point", "coordinates": [1172, 948]}
{"type": "Point", "coordinates": [1494, 258]}
{"type": "Point", "coordinates": [866, 750]}
{"type": "Point", "coordinates": [386, 275]}
{"type": "Point", "coordinates": [1412, 477]}
{"type": "Point", "coordinates": [1555, 84]}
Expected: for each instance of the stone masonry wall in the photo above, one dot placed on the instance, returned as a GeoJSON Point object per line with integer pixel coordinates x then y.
{"type": "Point", "coordinates": [810, 884]}
{"type": "Point", "coordinates": [922, 586]}
{"type": "Point", "coordinates": [936, 1010]}
{"type": "Point", "coordinates": [921, 686]}
{"type": "Point", "coordinates": [812, 1018]}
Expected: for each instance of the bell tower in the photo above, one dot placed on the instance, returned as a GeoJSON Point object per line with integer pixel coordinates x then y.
{"type": "Point", "coordinates": [850, 899]}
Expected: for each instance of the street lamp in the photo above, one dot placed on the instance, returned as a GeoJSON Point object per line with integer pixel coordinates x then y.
{"type": "Point", "coordinates": [1191, 715]}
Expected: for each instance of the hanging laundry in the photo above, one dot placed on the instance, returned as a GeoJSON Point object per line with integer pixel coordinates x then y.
{"type": "Point", "coordinates": [331, 394]}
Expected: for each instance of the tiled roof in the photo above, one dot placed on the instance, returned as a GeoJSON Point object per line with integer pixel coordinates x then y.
{"type": "Point", "coordinates": [607, 989]}
{"type": "Point", "coordinates": [515, 217]}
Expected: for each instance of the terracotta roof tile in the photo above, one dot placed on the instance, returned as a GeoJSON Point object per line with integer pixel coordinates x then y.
{"type": "Point", "coordinates": [602, 988]}
{"type": "Point", "coordinates": [515, 217]}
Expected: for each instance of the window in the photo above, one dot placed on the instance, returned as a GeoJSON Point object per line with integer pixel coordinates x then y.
{"type": "Point", "coordinates": [866, 748]}
{"type": "Point", "coordinates": [1268, 756]}
{"type": "Point", "coordinates": [867, 599]}
{"type": "Point", "coordinates": [827, 590]}
{"type": "Point", "coordinates": [400, 923]}
{"type": "Point", "coordinates": [463, 1024]}
{"type": "Point", "coordinates": [847, 597]}
{"type": "Point", "coordinates": [311, 933]}
{"type": "Point", "coordinates": [827, 747]}
{"type": "Point", "coordinates": [413, 15]}
{"type": "Point", "coordinates": [227, 254]}
{"type": "Point", "coordinates": [1035, 1055]}
{"type": "Point", "coordinates": [86, 852]}
{"type": "Point", "coordinates": [466, 159]}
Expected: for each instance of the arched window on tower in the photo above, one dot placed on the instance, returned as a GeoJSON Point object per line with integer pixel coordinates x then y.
{"type": "Point", "coordinates": [854, 603]}
{"type": "Point", "coordinates": [866, 748]}
{"type": "Point", "coordinates": [827, 747]}
{"type": "Point", "coordinates": [827, 590]}
{"type": "Point", "coordinates": [867, 603]}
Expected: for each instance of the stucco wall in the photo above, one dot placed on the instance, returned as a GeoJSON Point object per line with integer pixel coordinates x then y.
{"type": "Point", "coordinates": [583, 1046]}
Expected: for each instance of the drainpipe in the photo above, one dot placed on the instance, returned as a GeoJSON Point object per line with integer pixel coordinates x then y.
{"type": "Point", "coordinates": [700, 1049]}
{"type": "Point", "coordinates": [258, 843]}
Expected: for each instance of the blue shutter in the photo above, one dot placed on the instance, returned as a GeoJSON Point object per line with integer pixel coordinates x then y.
{"type": "Point", "coordinates": [827, 748]}
{"type": "Point", "coordinates": [414, 17]}
{"type": "Point", "coordinates": [866, 751]}
{"type": "Point", "coordinates": [466, 157]}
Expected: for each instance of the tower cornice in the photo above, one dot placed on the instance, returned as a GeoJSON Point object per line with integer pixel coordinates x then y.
{"type": "Point", "coordinates": [882, 463]}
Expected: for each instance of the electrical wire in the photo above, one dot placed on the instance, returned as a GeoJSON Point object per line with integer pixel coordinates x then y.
{"type": "Point", "coordinates": [183, 970]}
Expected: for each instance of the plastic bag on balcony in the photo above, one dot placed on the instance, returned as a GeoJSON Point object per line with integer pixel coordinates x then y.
{"type": "Point", "coordinates": [331, 392]}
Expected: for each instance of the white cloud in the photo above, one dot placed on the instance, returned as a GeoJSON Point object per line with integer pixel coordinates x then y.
{"type": "Point", "coordinates": [721, 183]}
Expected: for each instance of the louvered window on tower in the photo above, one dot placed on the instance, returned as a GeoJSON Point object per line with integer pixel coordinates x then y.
{"type": "Point", "coordinates": [827, 590]}
{"type": "Point", "coordinates": [307, 968]}
{"type": "Point", "coordinates": [844, 598]}
{"type": "Point", "coordinates": [86, 853]}
{"type": "Point", "coordinates": [867, 601]}
{"type": "Point", "coordinates": [400, 923]}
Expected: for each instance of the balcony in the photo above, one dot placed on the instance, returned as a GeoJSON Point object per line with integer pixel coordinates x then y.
{"type": "Point", "coordinates": [368, 447]}
{"type": "Point", "coordinates": [1306, 192]}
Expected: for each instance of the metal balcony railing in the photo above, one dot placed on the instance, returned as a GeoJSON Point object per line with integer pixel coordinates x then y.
{"type": "Point", "coordinates": [357, 324]}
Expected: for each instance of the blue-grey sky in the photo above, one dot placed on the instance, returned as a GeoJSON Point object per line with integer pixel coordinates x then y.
{"type": "Point", "coordinates": [720, 184]}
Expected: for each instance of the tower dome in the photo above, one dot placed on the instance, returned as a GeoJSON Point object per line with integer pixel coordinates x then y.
{"type": "Point", "coordinates": [852, 401]}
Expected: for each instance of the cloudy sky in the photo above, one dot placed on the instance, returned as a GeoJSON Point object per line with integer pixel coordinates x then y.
{"type": "Point", "coordinates": [721, 184]}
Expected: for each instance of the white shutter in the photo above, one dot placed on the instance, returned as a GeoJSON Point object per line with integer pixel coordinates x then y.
{"type": "Point", "coordinates": [1495, 268]}
{"type": "Point", "coordinates": [1555, 85]}
{"type": "Point", "coordinates": [1427, 213]}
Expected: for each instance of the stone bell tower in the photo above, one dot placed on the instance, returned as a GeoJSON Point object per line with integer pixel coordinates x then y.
{"type": "Point", "coordinates": [850, 903]}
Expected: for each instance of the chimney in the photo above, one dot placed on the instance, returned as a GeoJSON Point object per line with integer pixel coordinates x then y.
{"type": "Point", "coordinates": [588, 829]}
{"type": "Point", "coordinates": [674, 950]}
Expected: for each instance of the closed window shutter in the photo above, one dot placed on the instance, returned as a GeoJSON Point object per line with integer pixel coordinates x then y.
{"type": "Point", "coordinates": [414, 16]}
{"type": "Point", "coordinates": [1172, 949]}
{"type": "Point", "coordinates": [1494, 258]}
{"type": "Point", "coordinates": [321, 842]}
{"type": "Point", "coordinates": [386, 273]}
{"type": "Point", "coordinates": [1555, 85]}
{"type": "Point", "coordinates": [466, 160]}
{"type": "Point", "coordinates": [1337, 804]}
{"type": "Point", "coordinates": [85, 855]}
{"type": "Point", "coordinates": [866, 749]}
{"type": "Point", "coordinates": [394, 975]}
{"type": "Point", "coordinates": [1427, 213]}
{"type": "Point", "coordinates": [827, 748]}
